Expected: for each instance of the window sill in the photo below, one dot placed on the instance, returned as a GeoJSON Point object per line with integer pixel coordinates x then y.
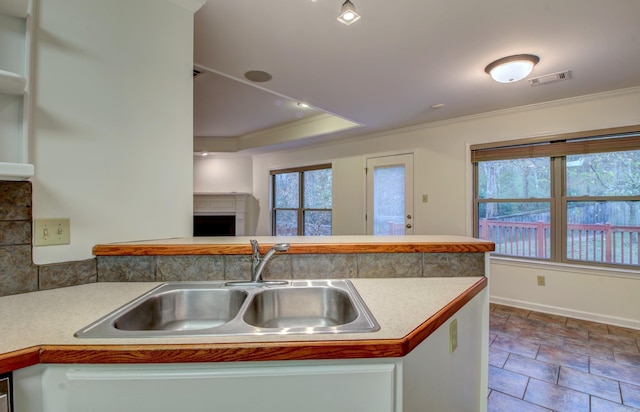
{"type": "Point", "coordinates": [566, 267]}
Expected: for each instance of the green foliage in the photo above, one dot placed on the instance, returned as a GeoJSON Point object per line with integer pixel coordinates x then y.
{"type": "Point", "coordinates": [604, 174]}
{"type": "Point", "coordinates": [515, 179]}
{"type": "Point", "coordinates": [317, 189]}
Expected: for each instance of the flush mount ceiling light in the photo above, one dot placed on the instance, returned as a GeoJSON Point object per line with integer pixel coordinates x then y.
{"type": "Point", "coordinates": [348, 13]}
{"type": "Point", "coordinates": [512, 68]}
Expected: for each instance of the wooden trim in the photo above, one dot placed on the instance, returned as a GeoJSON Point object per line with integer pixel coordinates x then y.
{"type": "Point", "coordinates": [269, 351]}
{"type": "Point", "coordinates": [19, 359]}
{"type": "Point", "coordinates": [238, 352]}
{"type": "Point", "coordinates": [141, 249]}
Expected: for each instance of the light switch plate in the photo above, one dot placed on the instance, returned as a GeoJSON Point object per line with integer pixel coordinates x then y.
{"type": "Point", "coordinates": [453, 335]}
{"type": "Point", "coordinates": [47, 232]}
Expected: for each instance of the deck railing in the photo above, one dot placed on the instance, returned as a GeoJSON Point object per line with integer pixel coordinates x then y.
{"type": "Point", "coordinates": [586, 242]}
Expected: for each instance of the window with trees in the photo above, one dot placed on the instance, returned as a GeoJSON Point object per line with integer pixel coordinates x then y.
{"type": "Point", "coordinates": [301, 201]}
{"type": "Point", "coordinates": [568, 198]}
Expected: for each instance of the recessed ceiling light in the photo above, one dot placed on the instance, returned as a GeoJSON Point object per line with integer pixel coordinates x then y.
{"type": "Point", "coordinates": [512, 68]}
{"type": "Point", "coordinates": [437, 105]}
{"type": "Point", "coordinates": [258, 76]}
{"type": "Point", "coordinates": [303, 105]}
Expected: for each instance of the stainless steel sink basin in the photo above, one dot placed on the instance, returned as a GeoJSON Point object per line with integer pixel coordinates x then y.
{"type": "Point", "coordinates": [300, 308]}
{"type": "Point", "coordinates": [183, 309]}
{"type": "Point", "coordinates": [179, 309]}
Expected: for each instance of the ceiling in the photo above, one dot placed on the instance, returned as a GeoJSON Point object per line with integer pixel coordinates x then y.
{"type": "Point", "coordinates": [390, 68]}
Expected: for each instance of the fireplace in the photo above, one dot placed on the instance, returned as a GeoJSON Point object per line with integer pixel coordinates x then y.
{"type": "Point", "coordinates": [214, 225]}
{"type": "Point", "coordinates": [220, 214]}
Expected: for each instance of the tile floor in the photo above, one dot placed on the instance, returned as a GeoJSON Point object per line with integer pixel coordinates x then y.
{"type": "Point", "coordinates": [542, 362]}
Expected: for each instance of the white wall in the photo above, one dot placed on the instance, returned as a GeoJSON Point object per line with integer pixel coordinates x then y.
{"type": "Point", "coordinates": [113, 129]}
{"type": "Point", "coordinates": [442, 170]}
{"type": "Point", "coordinates": [583, 293]}
{"type": "Point", "coordinates": [347, 183]}
{"type": "Point", "coordinates": [223, 173]}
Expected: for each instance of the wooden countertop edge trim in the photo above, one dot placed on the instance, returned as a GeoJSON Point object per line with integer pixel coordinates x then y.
{"type": "Point", "coordinates": [236, 352]}
{"type": "Point", "coordinates": [19, 359]}
{"type": "Point", "coordinates": [307, 248]}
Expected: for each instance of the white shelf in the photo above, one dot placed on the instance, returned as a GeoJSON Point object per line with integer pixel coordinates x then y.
{"type": "Point", "coordinates": [12, 83]}
{"type": "Point", "coordinates": [16, 171]}
{"type": "Point", "coordinates": [15, 8]}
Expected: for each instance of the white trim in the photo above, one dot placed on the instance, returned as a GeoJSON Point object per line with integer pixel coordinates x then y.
{"type": "Point", "coordinates": [191, 5]}
{"type": "Point", "coordinates": [576, 314]}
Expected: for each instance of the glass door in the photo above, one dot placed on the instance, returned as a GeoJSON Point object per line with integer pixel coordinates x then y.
{"type": "Point", "coordinates": [390, 195]}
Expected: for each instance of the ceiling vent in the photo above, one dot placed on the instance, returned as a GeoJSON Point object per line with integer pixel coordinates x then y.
{"type": "Point", "coordinates": [550, 78]}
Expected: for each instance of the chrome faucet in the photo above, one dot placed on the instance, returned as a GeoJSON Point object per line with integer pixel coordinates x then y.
{"type": "Point", "coordinates": [258, 263]}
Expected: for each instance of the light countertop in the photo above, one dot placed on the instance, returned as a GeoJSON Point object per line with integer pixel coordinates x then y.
{"type": "Point", "coordinates": [39, 326]}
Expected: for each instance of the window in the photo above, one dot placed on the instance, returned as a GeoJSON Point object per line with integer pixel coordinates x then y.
{"type": "Point", "coordinates": [571, 199]}
{"type": "Point", "coordinates": [302, 200]}
{"type": "Point", "coordinates": [514, 203]}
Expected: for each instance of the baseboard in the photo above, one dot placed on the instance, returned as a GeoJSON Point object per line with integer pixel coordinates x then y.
{"type": "Point", "coordinates": [571, 313]}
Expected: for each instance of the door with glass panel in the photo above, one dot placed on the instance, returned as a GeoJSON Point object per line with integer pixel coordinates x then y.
{"type": "Point", "coordinates": [390, 195]}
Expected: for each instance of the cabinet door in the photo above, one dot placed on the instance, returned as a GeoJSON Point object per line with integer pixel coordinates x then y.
{"type": "Point", "coordinates": [159, 388]}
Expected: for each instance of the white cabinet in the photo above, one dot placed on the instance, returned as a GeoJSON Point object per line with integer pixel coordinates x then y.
{"type": "Point", "coordinates": [16, 38]}
{"type": "Point", "coordinates": [265, 387]}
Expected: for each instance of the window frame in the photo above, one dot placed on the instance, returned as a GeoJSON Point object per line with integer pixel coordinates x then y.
{"type": "Point", "coordinates": [556, 148]}
{"type": "Point", "coordinates": [301, 210]}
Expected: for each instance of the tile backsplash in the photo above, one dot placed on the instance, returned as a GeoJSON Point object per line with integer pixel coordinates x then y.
{"type": "Point", "coordinates": [18, 274]}
{"type": "Point", "coordinates": [292, 266]}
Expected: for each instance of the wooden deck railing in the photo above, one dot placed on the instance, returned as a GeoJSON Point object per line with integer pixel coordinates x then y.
{"type": "Point", "coordinates": [587, 242]}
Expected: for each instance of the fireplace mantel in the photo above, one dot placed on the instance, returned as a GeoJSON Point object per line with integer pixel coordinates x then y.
{"type": "Point", "coordinates": [223, 204]}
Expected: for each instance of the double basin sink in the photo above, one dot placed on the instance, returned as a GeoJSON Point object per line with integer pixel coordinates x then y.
{"type": "Point", "coordinates": [181, 309]}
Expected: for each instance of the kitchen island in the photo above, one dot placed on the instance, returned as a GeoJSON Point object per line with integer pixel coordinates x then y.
{"type": "Point", "coordinates": [410, 353]}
